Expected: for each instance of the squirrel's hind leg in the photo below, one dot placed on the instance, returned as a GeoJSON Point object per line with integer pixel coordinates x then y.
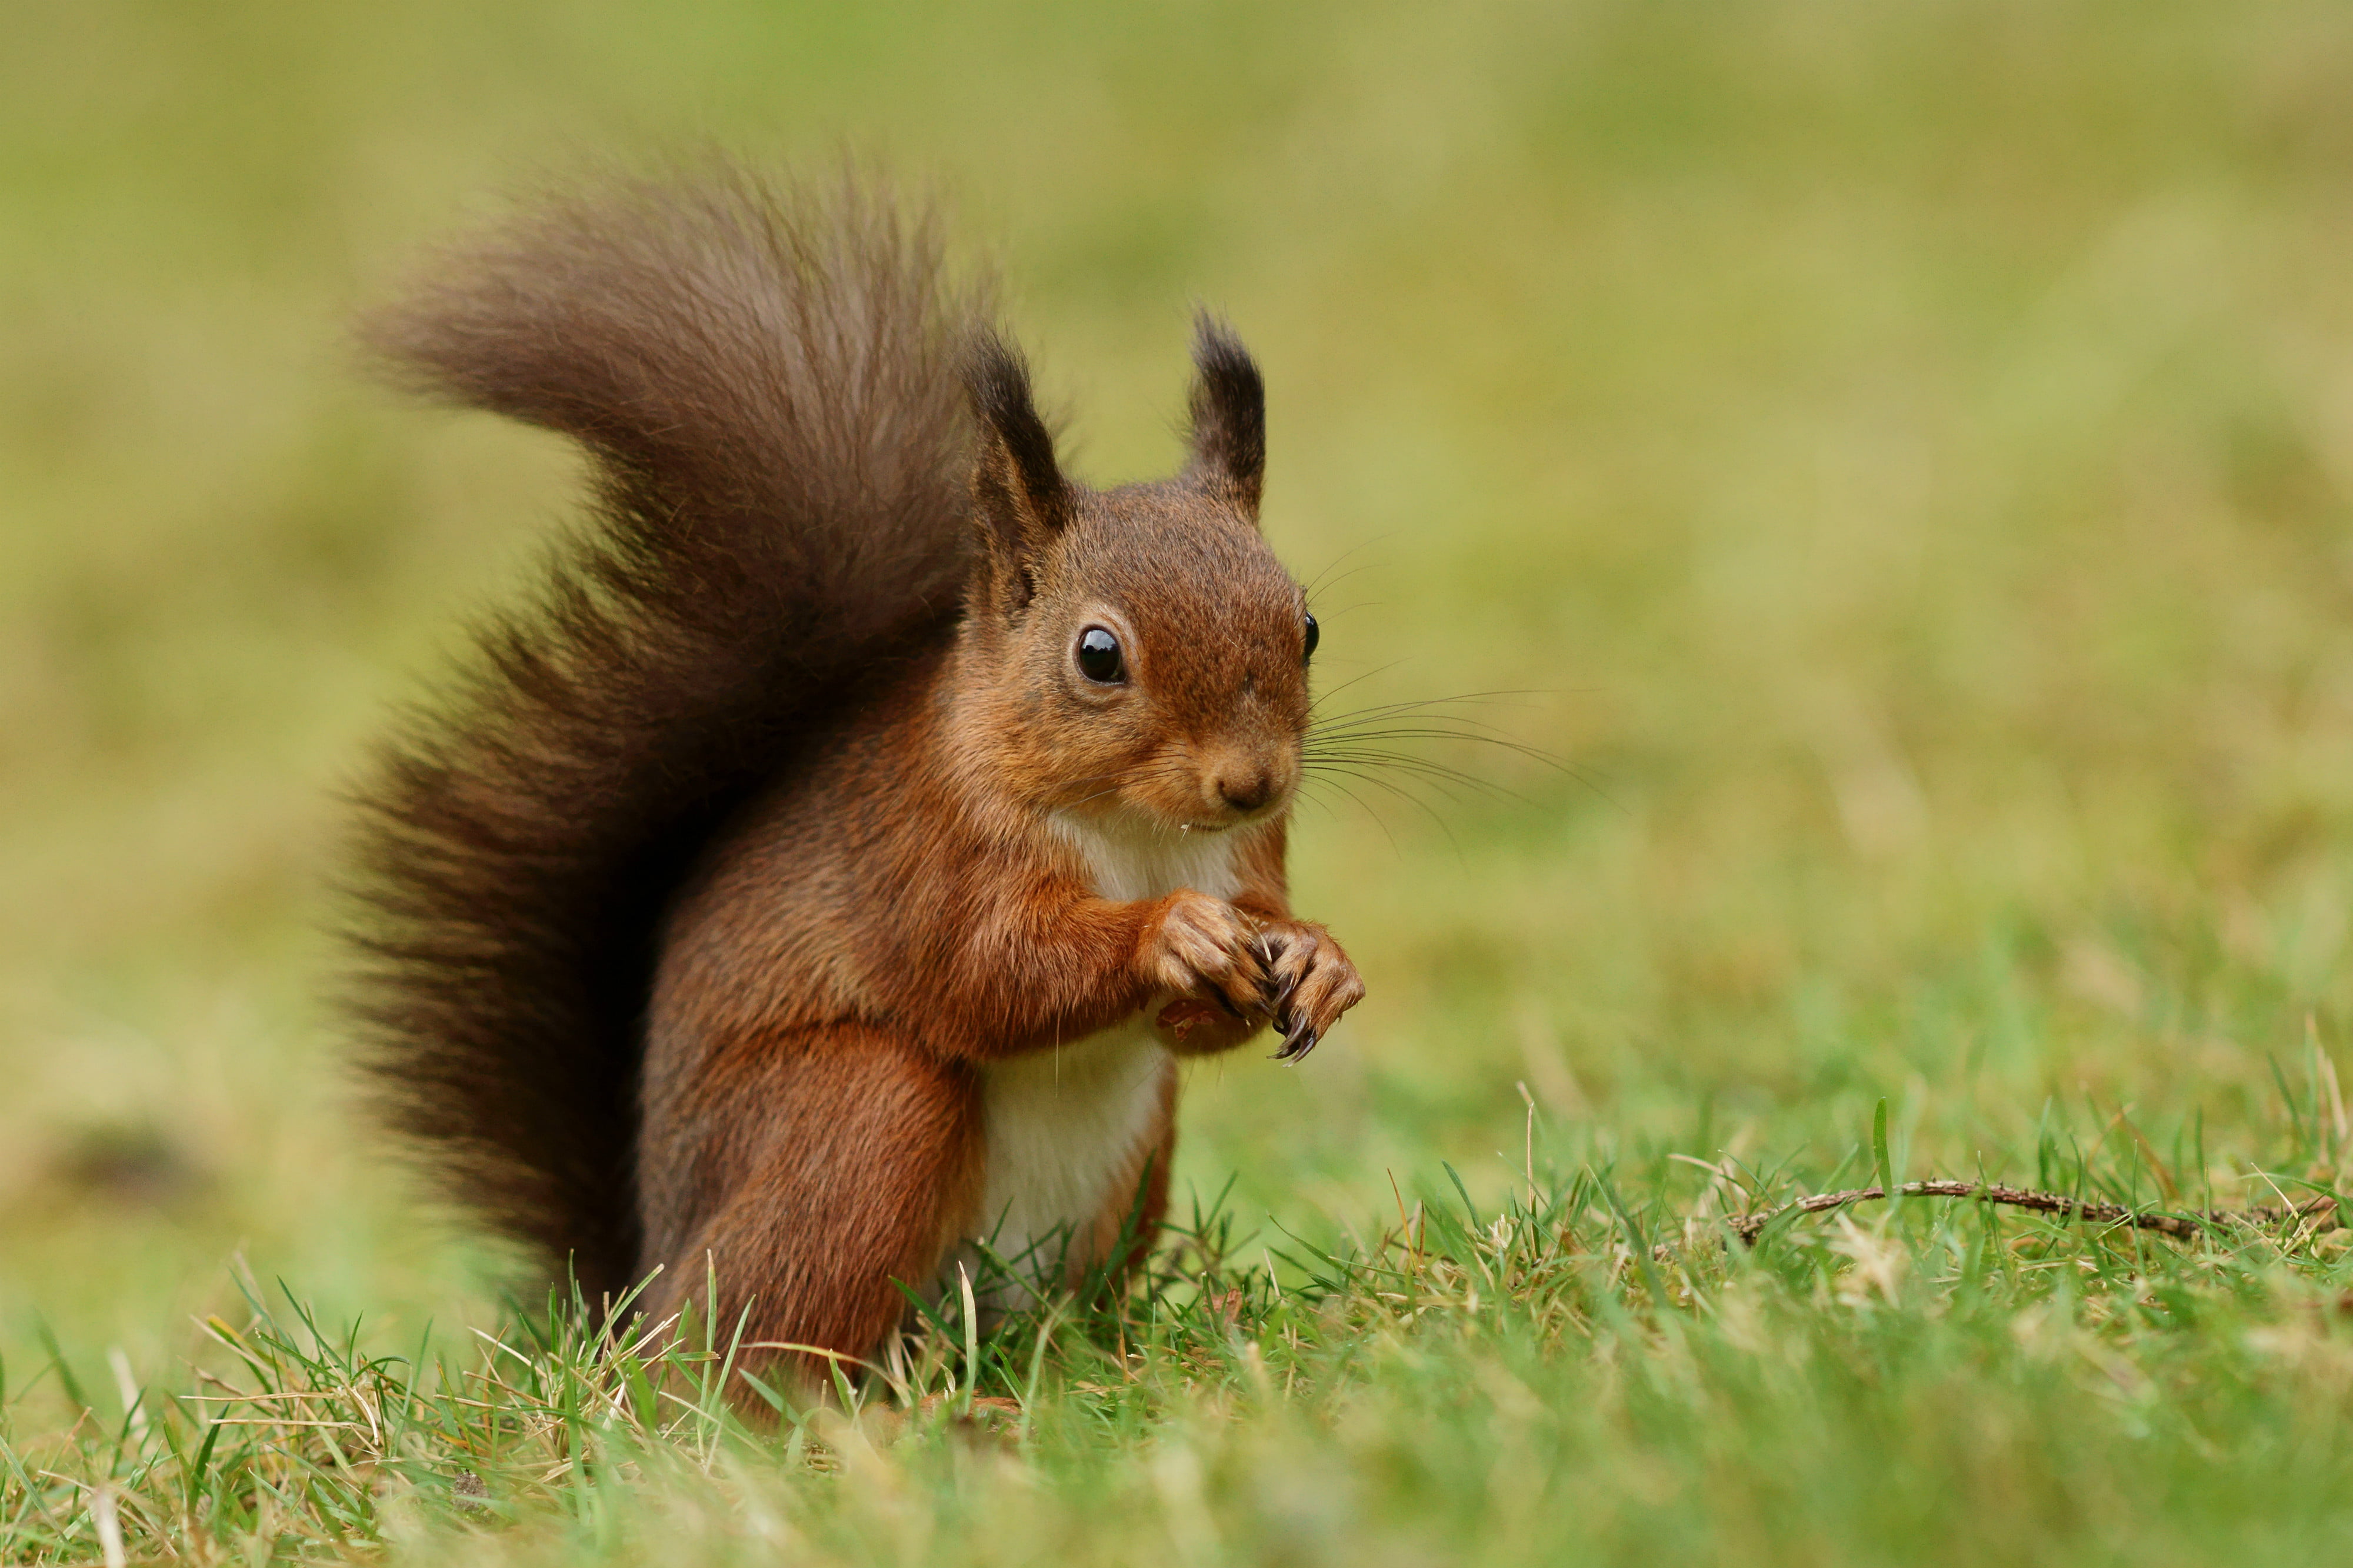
{"type": "Point", "coordinates": [822, 1166]}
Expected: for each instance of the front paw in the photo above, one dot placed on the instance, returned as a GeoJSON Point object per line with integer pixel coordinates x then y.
{"type": "Point", "coordinates": [1204, 948]}
{"type": "Point", "coordinates": [1309, 983]}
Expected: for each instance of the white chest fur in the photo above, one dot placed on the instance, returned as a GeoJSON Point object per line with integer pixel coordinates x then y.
{"type": "Point", "coordinates": [1139, 862]}
{"type": "Point", "coordinates": [1065, 1127]}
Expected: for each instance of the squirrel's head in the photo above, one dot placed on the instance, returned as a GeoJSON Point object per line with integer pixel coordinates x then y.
{"type": "Point", "coordinates": [1148, 653]}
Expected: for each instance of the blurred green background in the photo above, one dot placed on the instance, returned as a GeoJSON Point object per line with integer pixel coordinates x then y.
{"type": "Point", "coordinates": [1904, 452]}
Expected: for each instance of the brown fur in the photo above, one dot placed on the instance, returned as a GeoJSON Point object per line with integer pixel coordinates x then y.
{"type": "Point", "coordinates": [700, 917]}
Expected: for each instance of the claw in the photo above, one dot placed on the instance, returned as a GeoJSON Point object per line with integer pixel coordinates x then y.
{"type": "Point", "coordinates": [1296, 1047]}
{"type": "Point", "coordinates": [1275, 997]}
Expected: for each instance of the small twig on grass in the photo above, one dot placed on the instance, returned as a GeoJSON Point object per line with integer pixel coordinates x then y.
{"type": "Point", "coordinates": [2185, 1227]}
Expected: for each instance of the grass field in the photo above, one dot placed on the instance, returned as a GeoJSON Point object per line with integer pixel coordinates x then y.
{"type": "Point", "coordinates": [1900, 458]}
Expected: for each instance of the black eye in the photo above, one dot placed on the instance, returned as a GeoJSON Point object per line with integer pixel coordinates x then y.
{"type": "Point", "coordinates": [1308, 651]}
{"type": "Point", "coordinates": [1099, 658]}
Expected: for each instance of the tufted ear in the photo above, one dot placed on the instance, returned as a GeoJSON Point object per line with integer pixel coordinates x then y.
{"type": "Point", "coordinates": [1228, 415]}
{"type": "Point", "coordinates": [1020, 499]}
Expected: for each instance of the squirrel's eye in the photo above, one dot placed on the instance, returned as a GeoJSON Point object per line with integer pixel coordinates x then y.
{"type": "Point", "coordinates": [1099, 658]}
{"type": "Point", "coordinates": [1308, 651]}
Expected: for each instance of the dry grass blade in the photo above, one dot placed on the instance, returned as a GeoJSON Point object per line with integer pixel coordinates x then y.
{"type": "Point", "coordinates": [2184, 1226]}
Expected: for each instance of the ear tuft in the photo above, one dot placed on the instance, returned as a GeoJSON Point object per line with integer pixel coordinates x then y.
{"type": "Point", "coordinates": [1017, 485]}
{"type": "Point", "coordinates": [1228, 415]}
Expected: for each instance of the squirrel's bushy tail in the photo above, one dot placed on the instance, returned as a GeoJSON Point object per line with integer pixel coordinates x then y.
{"type": "Point", "coordinates": [765, 380]}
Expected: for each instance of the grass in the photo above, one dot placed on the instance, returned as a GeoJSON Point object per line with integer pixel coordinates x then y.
{"type": "Point", "coordinates": [1906, 455]}
{"type": "Point", "coordinates": [1470, 1383]}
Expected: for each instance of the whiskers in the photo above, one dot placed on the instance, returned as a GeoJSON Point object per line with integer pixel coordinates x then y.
{"type": "Point", "coordinates": [1372, 749]}
{"type": "Point", "coordinates": [1374, 757]}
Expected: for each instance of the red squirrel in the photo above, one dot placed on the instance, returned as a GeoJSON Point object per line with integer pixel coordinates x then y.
{"type": "Point", "coordinates": [831, 865]}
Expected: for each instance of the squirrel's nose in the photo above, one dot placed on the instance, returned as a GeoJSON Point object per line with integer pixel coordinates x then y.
{"type": "Point", "coordinates": [1245, 789]}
